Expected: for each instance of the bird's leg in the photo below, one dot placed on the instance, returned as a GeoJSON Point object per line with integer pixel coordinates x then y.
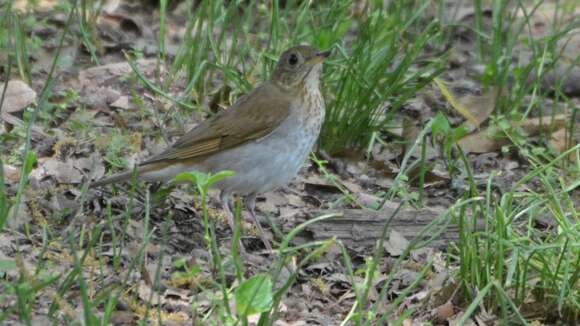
{"type": "Point", "coordinates": [251, 205]}
{"type": "Point", "coordinates": [227, 206]}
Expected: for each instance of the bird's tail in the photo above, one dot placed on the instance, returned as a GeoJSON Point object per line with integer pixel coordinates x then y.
{"type": "Point", "coordinates": [141, 172]}
{"type": "Point", "coordinates": [119, 177]}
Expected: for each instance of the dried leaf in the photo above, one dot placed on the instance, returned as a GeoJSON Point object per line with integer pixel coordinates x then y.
{"type": "Point", "coordinates": [24, 215]}
{"type": "Point", "coordinates": [445, 311]}
{"type": "Point", "coordinates": [117, 31]}
{"type": "Point", "coordinates": [480, 106]}
{"type": "Point", "coordinates": [559, 140]}
{"type": "Point", "coordinates": [396, 244]}
{"type": "Point", "coordinates": [411, 130]}
{"type": "Point", "coordinates": [486, 140]}
{"type": "Point", "coordinates": [11, 173]}
{"type": "Point", "coordinates": [63, 172]}
{"type": "Point", "coordinates": [24, 5]}
{"type": "Point", "coordinates": [317, 183]}
{"type": "Point", "coordinates": [99, 98]}
{"type": "Point", "coordinates": [109, 6]}
{"type": "Point", "coordinates": [102, 75]}
{"type": "Point", "coordinates": [534, 126]}
{"type": "Point", "coordinates": [147, 294]}
{"type": "Point", "coordinates": [482, 142]}
{"type": "Point", "coordinates": [18, 96]}
{"type": "Point", "coordinates": [37, 132]}
{"type": "Point", "coordinates": [120, 317]}
{"type": "Point", "coordinates": [454, 321]}
{"type": "Point", "coordinates": [123, 102]}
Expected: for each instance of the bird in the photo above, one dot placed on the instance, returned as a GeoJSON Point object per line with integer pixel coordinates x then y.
{"type": "Point", "coordinates": [264, 137]}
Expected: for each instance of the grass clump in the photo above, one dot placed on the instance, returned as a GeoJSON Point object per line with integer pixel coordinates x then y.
{"type": "Point", "coordinates": [378, 74]}
{"type": "Point", "coordinates": [518, 265]}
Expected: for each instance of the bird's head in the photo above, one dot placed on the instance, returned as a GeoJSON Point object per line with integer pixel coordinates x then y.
{"type": "Point", "coordinates": [299, 66]}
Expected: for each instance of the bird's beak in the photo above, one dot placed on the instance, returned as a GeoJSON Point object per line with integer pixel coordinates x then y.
{"type": "Point", "coordinates": [318, 57]}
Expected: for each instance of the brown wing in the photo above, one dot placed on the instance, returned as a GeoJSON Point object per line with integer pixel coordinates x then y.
{"type": "Point", "coordinates": [251, 117]}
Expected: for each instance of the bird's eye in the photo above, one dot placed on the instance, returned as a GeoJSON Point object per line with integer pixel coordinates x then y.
{"type": "Point", "coordinates": [293, 60]}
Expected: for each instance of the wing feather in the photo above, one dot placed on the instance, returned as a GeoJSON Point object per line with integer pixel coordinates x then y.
{"type": "Point", "coordinates": [251, 117]}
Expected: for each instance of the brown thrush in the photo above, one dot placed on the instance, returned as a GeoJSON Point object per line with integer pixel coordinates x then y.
{"type": "Point", "coordinates": [265, 137]}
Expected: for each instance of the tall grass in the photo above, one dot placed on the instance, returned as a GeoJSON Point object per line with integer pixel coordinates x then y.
{"type": "Point", "coordinates": [513, 260]}
{"type": "Point", "coordinates": [378, 74]}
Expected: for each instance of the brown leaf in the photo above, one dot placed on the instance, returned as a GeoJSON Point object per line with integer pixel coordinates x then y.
{"type": "Point", "coordinates": [147, 294]}
{"type": "Point", "coordinates": [534, 126]}
{"type": "Point", "coordinates": [295, 200]}
{"type": "Point", "coordinates": [110, 6]}
{"type": "Point", "coordinates": [411, 130]}
{"type": "Point", "coordinates": [24, 215]}
{"type": "Point", "coordinates": [123, 102]}
{"type": "Point", "coordinates": [396, 244]}
{"type": "Point", "coordinates": [559, 140]}
{"type": "Point", "coordinates": [18, 96]}
{"type": "Point", "coordinates": [92, 165]}
{"type": "Point", "coordinates": [434, 175]}
{"type": "Point", "coordinates": [63, 172]}
{"type": "Point", "coordinates": [480, 106]}
{"type": "Point", "coordinates": [37, 132]}
{"type": "Point", "coordinates": [368, 200]}
{"type": "Point", "coordinates": [267, 206]}
{"type": "Point", "coordinates": [317, 183]}
{"type": "Point", "coordinates": [11, 173]}
{"type": "Point", "coordinates": [102, 75]}
{"type": "Point", "coordinates": [99, 98]}
{"type": "Point", "coordinates": [123, 29]}
{"type": "Point", "coordinates": [486, 140]}
{"type": "Point", "coordinates": [445, 311]}
{"type": "Point", "coordinates": [482, 142]}
{"type": "Point", "coordinates": [24, 5]}
{"type": "Point", "coordinates": [120, 317]}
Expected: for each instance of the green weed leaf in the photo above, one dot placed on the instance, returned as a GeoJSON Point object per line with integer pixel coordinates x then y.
{"type": "Point", "coordinates": [440, 125]}
{"type": "Point", "coordinates": [212, 179]}
{"type": "Point", "coordinates": [30, 161]}
{"type": "Point", "coordinates": [189, 176]}
{"type": "Point", "coordinates": [254, 295]}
